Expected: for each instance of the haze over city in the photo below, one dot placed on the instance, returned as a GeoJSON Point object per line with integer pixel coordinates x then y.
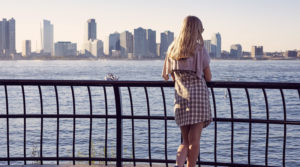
{"type": "Point", "coordinates": [272, 23]}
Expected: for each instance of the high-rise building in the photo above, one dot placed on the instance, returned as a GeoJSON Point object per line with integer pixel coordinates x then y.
{"type": "Point", "coordinates": [126, 44]}
{"type": "Point", "coordinates": [216, 45]}
{"type": "Point", "coordinates": [140, 43]}
{"type": "Point", "coordinates": [158, 49]}
{"type": "Point", "coordinates": [257, 51]}
{"type": "Point", "coordinates": [151, 42]}
{"type": "Point", "coordinates": [91, 30]}
{"type": "Point", "coordinates": [100, 51]}
{"type": "Point", "coordinates": [26, 48]}
{"type": "Point", "coordinates": [207, 45]}
{"type": "Point", "coordinates": [236, 51]}
{"type": "Point", "coordinates": [47, 37]}
{"type": "Point", "coordinates": [166, 38]}
{"type": "Point", "coordinates": [114, 42]}
{"type": "Point", "coordinates": [7, 37]}
{"type": "Point", "coordinates": [93, 48]}
{"type": "Point", "coordinates": [65, 49]}
{"type": "Point", "coordinates": [106, 45]}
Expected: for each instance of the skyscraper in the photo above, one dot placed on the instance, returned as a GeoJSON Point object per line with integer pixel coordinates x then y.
{"type": "Point", "coordinates": [216, 45]}
{"type": "Point", "coordinates": [92, 47]}
{"type": "Point", "coordinates": [7, 36]}
{"type": "Point", "coordinates": [151, 42]}
{"type": "Point", "coordinates": [126, 44]}
{"type": "Point", "coordinates": [91, 30]}
{"type": "Point", "coordinates": [47, 37]}
{"type": "Point", "coordinates": [114, 42]}
{"type": "Point", "coordinates": [207, 45]}
{"type": "Point", "coordinates": [166, 38]}
{"type": "Point", "coordinates": [26, 48]}
{"type": "Point", "coordinates": [140, 43]}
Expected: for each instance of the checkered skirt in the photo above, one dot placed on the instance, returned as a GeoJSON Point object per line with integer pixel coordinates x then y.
{"type": "Point", "coordinates": [191, 99]}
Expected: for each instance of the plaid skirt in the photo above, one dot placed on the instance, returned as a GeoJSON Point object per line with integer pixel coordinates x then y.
{"type": "Point", "coordinates": [191, 99]}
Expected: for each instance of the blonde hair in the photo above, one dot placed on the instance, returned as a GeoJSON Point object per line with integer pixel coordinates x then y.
{"type": "Point", "coordinates": [185, 44]}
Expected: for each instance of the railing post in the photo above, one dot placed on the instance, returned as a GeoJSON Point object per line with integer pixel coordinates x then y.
{"type": "Point", "coordinates": [119, 126]}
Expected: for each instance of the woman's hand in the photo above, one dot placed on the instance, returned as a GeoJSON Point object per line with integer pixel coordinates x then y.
{"type": "Point", "coordinates": [165, 77]}
{"type": "Point", "coordinates": [173, 77]}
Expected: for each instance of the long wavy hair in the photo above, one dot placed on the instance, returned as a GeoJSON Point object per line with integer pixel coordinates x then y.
{"type": "Point", "coordinates": [185, 44]}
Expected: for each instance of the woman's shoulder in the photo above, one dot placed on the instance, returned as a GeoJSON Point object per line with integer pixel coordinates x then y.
{"type": "Point", "coordinates": [200, 48]}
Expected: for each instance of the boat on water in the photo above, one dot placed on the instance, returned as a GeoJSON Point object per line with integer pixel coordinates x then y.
{"type": "Point", "coordinates": [111, 77]}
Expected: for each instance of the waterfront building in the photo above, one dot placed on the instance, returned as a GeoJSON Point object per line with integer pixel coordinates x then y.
{"type": "Point", "coordinates": [216, 45]}
{"type": "Point", "coordinates": [91, 30]}
{"type": "Point", "coordinates": [100, 48]}
{"type": "Point", "coordinates": [207, 45]}
{"type": "Point", "coordinates": [47, 37]}
{"type": "Point", "coordinates": [166, 38]}
{"type": "Point", "coordinates": [290, 53]}
{"type": "Point", "coordinates": [26, 51]}
{"type": "Point", "coordinates": [225, 54]}
{"type": "Point", "coordinates": [7, 37]}
{"type": "Point", "coordinates": [246, 54]}
{"type": "Point", "coordinates": [140, 43]}
{"type": "Point", "coordinates": [257, 51]}
{"type": "Point", "coordinates": [106, 45]}
{"type": "Point", "coordinates": [158, 49]}
{"type": "Point", "coordinates": [213, 50]}
{"type": "Point", "coordinates": [114, 42]}
{"type": "Point", "coordinates": [236, 51]}
{"type": "Point", "coordinates": [151, 42]}
{"type": "Point", "coordinates": [126, 44]}
{"type": "Point", "coordinates": [65, 49]}
{"type": "Point", "coordinates": [93, 48]}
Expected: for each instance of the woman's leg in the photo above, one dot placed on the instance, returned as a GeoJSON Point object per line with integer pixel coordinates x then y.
{"type": "Point", "coordinates": [194, 143]}
{"type": "Point", "coordinates": [182, 150]}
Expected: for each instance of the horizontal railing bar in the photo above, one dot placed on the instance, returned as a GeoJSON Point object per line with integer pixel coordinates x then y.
{"type": "Point", "coordinates": [258, 85]}
{"type": "Point", "coordinates": [84, 116]}
{"type": "Point", "coordinates": [270, 121]}
{"type": "Point", "coordinates": [55, 116]}
{"type": "Point", "coordinates": [87, 83]}
{"type": "Point", "coordinates": [215, 84]}
{"type": "Point", "coordinates": [288, 122]}
{"type": "Point", "coordinates": [123, 160]}
{"type": "Point", "coordinates": [55, 158]}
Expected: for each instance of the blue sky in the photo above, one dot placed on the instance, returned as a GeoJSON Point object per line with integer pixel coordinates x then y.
{"type": "Point", "coordinates": [275, 24]}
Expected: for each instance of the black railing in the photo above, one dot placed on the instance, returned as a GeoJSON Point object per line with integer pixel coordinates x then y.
{"type": "Point", "coordinates": [114, 112]}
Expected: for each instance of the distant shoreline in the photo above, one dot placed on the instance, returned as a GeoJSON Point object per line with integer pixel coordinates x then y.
{"type": "Point", "coordinates": [107, 58]}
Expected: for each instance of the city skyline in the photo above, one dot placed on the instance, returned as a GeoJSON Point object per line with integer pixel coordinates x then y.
{"type": "Point", "coordinates": [272, 24]}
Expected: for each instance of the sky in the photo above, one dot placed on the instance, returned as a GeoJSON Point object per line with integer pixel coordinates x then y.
{"type": "Point", "coordinates": [274, 24]}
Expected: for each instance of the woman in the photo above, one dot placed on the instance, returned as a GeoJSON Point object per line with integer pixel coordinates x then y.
{"type": "Point", "coordinates": [187, 62]}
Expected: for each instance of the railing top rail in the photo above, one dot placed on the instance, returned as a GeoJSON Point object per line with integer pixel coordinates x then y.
{"type": "Point", "coordinates": [215, 84]}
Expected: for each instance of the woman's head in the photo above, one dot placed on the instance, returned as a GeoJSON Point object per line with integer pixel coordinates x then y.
{"type": "Point", "coordinates": [190, 35]}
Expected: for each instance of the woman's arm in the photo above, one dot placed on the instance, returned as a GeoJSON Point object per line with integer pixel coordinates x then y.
{"type": "Point", "coordinates": [166, 69]}
{"type": "Point", "coordinates": [207, 74]}
{"type": "Point", "coordinates": [173, 77]}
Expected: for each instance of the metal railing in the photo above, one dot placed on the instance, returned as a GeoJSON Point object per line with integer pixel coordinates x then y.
{"type": "Point", "coordinates": [118, 117]}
